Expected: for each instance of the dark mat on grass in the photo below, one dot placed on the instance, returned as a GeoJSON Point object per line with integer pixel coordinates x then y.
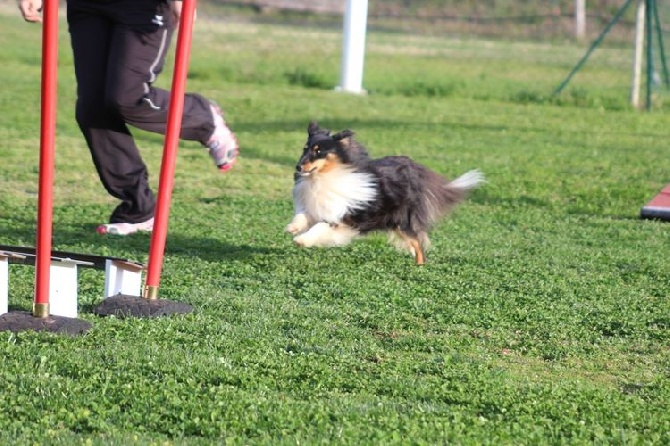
{"type": "Point", "coordinates": [17, 321]}
{"type": "Point", "coordinates": [123, 306]}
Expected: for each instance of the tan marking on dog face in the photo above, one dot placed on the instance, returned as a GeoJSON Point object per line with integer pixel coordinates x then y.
{"type": "Point", "coordinates": [322, 165]}
{"type": "Point", "coordinates": [331, 162]}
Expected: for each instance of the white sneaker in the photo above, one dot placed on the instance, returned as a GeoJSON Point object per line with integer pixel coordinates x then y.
{"type": "Point", "coordinates": [126, 228]}
{"type": "Point", "coordinates": [222, 146]}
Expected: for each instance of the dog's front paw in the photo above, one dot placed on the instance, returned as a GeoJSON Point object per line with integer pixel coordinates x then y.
{"type": "Point", "coordinates": [299, 224]}
{"type": "Point", "coordinates": [303, 241]}
{"type": "Point", "coordinates": [292, 228]}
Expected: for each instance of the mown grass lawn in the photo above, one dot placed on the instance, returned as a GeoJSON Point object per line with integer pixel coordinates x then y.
{"type": "Point", "coordinates": [541, 317]}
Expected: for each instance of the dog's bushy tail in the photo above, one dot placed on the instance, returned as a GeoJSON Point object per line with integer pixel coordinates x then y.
{"type": "Point", "coordinates": [468, 181]}
{"type": "Point", "coordinates": [442, 195]}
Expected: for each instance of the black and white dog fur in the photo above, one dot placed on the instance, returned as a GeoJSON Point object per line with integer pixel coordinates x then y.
{"type": "Point", "coordinates": [341, 193]}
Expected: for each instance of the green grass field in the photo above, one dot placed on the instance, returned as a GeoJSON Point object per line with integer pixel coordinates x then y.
{"type": "Point", "coordinates": [541, 317]}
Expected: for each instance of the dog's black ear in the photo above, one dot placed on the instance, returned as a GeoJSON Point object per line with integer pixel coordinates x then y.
{"type": "Point", "coordinates": [343, 135]}
{"type": "Point", "coordinates": [352, 150]}
{"type": "Point", "coordinates": [313, 128]}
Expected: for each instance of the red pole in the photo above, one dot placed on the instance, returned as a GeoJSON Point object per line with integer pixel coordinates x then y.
{"type": "Point", "coordinates": [166, 181]}
{"type": "Point", "coordinates": [47, 147]}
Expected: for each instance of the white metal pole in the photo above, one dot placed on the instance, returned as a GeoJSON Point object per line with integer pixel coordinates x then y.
{"type": "Point", "coordinates": [4, 283]}
{"type": "Point", "coordinates": [580, 19]}
{"type": "Point", "coordinates": [353, 51]}
{"type": "Point", "coordinates": [638, 54]}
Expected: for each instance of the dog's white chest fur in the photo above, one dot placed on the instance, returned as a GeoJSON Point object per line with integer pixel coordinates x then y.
{"type": "Point", "coordinates": [329, 196]}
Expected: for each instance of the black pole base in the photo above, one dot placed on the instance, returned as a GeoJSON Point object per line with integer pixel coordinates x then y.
{"type": "Point", "coordinates": [123, 306]}
{"type": "Point", "coordinates": [17, 321]}
{"type": "Point", "coordinates": [655, 213]}
{"type": "Point", "coordinates": [659, 206]}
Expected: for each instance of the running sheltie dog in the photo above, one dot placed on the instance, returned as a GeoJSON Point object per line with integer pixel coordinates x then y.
{"type": "Point", "coordinates": [341, 193]}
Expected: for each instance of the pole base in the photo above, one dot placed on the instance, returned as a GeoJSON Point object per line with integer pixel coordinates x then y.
{"type": "Point", "coordinates": [655, 213]}
{"type": "Point", "coordinates": [659, 207]}
{"type": "Point", "coordinates": [17, 321]}
{"type": "Point", "coordinates": [124, 306]}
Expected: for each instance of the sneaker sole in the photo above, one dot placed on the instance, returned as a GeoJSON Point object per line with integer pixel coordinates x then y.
{"type": "Point", "coordinates": [110, 230]}
{"type": "Point", "coordinates": [226, 167]}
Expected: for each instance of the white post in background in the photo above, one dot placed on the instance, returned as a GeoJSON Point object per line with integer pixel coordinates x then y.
{"type": "Point", "coordinates": [580, 19]}
{"type": "Point", "coordinates": [4, 283]}
{"type": "Point", "coordinates": [638, 54]}
{"type": "Point", "coordinates": [353, 51]}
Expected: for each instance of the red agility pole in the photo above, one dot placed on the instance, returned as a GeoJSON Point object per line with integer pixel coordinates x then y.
{"type": "Point", "coordinates": [41, 318]}
{"type": "Point", "coordinates": [47, 147]}
{"type": "Point", "coordinates": [166, 181]}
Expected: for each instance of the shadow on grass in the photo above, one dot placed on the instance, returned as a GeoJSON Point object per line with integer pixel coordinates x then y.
{"type": "Point", "coordinates": [357, 126]}
{"type": "Point", "coordinates": [337, 125]}
{"type": "Point", "coordinates": [135, 247]}
{"type": "Point", "coordinates": [483, 197]}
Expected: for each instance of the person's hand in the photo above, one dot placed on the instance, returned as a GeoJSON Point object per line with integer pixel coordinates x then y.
{"type": "Point", "coordinates": [175, 10]}
{"type": "Point", "coordinates": [31, 10]}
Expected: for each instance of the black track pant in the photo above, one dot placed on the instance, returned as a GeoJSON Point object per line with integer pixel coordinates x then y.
{"type": "Point", "coordinates": [119, 48]}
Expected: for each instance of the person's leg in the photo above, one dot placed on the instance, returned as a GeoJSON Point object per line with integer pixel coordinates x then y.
{"type": "Point", "coordinates": [115, 155]}
{"type": "Point", "coordinates": [137, 55]}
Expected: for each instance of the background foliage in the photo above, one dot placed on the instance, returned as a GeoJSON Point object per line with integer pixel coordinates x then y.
{"type": "Point", "coordinates": [509, 19]}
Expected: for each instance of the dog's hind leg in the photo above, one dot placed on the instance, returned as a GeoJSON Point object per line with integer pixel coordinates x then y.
{"type": "Point", "coordinates": [419, 257]}
{"type": "Point", "coordinates": [326, 234]}
{"type": "Point", "coordinates": [413, 245]}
